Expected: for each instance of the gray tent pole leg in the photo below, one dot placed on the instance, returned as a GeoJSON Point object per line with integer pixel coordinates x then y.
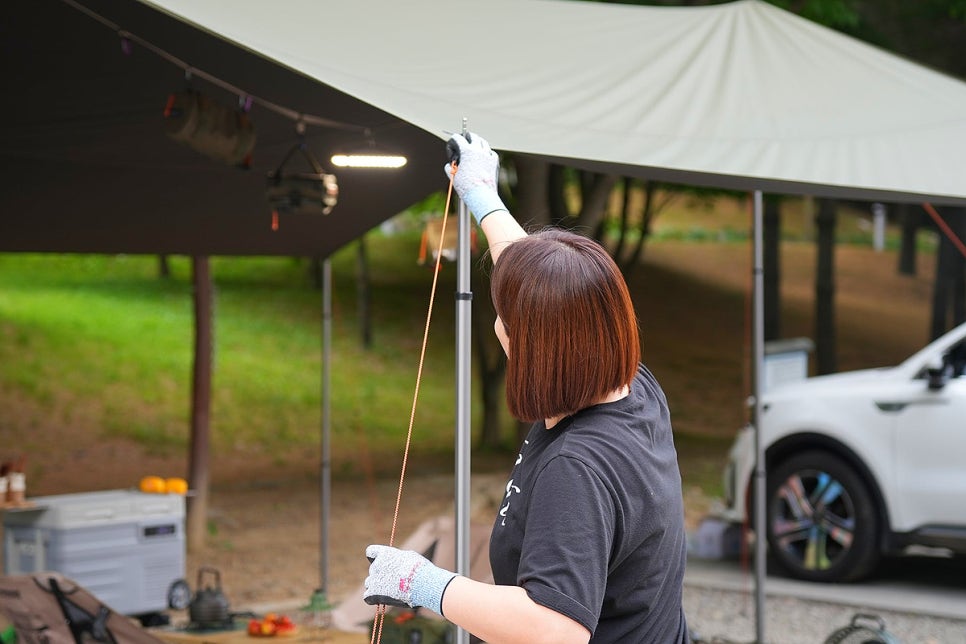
{"type": "Point", "coordinates": [464, 301]}
{"type": "Point", "coordinates": [325, 473]}
{"type": "Point", "coordinates": [760, 472]}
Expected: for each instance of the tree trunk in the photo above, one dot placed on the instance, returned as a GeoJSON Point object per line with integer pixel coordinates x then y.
{"type": "Point", "coordinates": [197, 514]}
{"type": "Point", "coordinates": [909, 224]}
{"type": "Point", "coordinates": [315, 273]}
{"type": "Point", "coordinates": [771, 237]}
{"type": "Point", "coordinates": [491, 364]}
{"type": "Point", "coordinates": [825, 349]}
{"type": "Point", "coordinates": [531, 204]}
{"type": "Point", "coordinates": [557, 194]}
{"type": "Point", "coordinates": [492, 368]}
{"type": "Point", "coordinates": [164, 268]}
{"type": "Point", "coordinates": [593, 200]}
{"type": "Point", "coordinates": [649, 211]}
{"type": "Point", "coordinates": [625, 214]}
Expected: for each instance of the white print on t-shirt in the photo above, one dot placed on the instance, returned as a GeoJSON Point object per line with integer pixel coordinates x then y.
{"type": "Point", "coordinates": [511, 488]}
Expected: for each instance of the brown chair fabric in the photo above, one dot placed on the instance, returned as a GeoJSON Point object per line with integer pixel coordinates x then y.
{"type": "Point", "coordinates": [48, 608]}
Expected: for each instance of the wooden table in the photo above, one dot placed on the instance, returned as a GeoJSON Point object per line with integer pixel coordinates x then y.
{"type": "Point", "coordinates": [302, 636]}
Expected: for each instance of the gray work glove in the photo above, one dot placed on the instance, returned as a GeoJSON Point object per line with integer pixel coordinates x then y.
{"type": "Point", "coordinates": [476, 175]}
{"type": "Point", "coordinates": [404, 578]}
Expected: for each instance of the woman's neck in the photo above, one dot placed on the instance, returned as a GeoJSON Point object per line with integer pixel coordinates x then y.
{"type": "Point", "coordinates": [613, 396]}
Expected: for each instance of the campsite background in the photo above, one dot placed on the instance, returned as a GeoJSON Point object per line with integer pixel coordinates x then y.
{"type": "Point", "coordinates": [96, 349]}
{"type": "Point", "coordinates": [98, 396]}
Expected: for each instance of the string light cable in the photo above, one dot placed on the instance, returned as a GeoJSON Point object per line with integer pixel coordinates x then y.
{"type": "Point", "coordinates": [191, 71]}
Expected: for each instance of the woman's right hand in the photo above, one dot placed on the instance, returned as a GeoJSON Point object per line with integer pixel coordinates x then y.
{"type": "Point", "coordinates": [476, 173]}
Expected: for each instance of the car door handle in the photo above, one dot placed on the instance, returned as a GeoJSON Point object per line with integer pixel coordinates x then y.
{"type": "Point", "coordinates": [890, 406]}
{"type": "Point", "coordinates": [895, 406]}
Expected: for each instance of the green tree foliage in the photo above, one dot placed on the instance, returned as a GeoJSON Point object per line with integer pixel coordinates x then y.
{"type": "Point", "coordinates": [931, 32]}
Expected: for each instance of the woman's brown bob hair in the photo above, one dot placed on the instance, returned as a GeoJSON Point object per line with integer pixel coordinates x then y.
{"type": "Point", "coordinates": [572, 331]}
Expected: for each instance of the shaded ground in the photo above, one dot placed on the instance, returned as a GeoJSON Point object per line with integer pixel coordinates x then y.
{"type": "Point", "coordinates": [693, 299]}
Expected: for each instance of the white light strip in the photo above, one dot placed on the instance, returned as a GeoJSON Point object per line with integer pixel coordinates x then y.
{"type": "Point", "coordinates": [368, 161]}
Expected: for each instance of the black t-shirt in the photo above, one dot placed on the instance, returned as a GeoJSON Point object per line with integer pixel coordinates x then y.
{"type": "Point", "coordinates": [592, 524]}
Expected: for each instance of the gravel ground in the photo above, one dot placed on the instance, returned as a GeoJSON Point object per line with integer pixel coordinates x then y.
{"type": "Point", "coordinates": [728, 617]}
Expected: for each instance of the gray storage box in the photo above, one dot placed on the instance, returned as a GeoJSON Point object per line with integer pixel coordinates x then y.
{"type": "Point", "coordinates": [125, 547]}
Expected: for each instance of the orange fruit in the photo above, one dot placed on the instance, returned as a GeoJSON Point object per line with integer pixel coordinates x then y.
{"type": "Point", "coordinates": [153, 485]}
{"type": "Point", "coordinates": [176, 485]}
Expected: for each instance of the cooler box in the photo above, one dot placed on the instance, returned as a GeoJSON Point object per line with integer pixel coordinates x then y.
{"type": "Point", "coordinates": [125, 547]}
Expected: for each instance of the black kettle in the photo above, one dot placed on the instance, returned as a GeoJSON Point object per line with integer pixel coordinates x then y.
{"type": "Point", "coordinates": [209, 608]}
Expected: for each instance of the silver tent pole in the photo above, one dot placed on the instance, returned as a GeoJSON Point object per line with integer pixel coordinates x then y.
{"type": "Point", "coordinates": [325, 465]}
{"type": "Point", "coordinates": [758, 373]}
{"type": "Point", "coordinates": [464, 310]}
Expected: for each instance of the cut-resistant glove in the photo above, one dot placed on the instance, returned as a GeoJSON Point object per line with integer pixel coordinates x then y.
{"type": "Point", "coordinates": [478, 167]}
{"type": "Point", "coordinates": [404, 578]}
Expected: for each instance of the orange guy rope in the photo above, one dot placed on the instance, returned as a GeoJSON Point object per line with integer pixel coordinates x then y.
{"type": "Point", "coordinates": [957, 242]}
{"type": "Point", "coordinates": [381, 610]}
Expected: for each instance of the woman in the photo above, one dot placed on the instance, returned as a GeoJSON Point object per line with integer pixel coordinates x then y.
{"type": "Point", "coordinates": [589, 543]}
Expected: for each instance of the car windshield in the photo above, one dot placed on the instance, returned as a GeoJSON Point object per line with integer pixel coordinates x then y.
{"type": "Point", "coordinates": [956, 359]}
{"type": "Point", "coordinates": [952, 365]}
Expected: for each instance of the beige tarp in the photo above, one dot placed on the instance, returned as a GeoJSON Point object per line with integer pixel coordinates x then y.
{"type": "Point", "coordinates": [742, 95]}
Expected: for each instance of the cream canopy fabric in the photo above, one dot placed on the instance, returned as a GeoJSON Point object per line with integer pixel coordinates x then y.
{"type": "Point", "coordinates": [741, 95]}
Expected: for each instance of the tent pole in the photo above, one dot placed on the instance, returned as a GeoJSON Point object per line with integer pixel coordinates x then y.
{"type": "Point", "coordinates": [464, 301]}
{"type": "Point", "coordinates": [325, 466]}
{"type": "Point", "coordinates": [758, 372]}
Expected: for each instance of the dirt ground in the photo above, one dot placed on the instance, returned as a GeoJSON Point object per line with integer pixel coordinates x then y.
{"type": "Point", "coordinates": [264, 529]}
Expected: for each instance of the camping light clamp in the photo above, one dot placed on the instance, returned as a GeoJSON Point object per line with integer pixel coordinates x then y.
{"type": "Point", "coordinates": [302, 192]}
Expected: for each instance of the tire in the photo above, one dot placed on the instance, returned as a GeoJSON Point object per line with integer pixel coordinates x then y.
{"type": "Point", "coordinates": [822, 521]}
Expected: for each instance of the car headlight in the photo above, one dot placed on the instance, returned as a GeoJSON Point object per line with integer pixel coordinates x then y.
{"type": "Point", "coordinates": [740, 457]}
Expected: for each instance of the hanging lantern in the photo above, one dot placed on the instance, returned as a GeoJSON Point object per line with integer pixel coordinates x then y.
{"type": "Point", "coordinates": [313, 192]}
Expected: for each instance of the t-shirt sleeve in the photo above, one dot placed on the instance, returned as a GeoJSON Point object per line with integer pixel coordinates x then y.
{"type": "Point", "coordinates": [568, 540]}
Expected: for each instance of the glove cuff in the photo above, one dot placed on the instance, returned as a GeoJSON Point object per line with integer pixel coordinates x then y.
{"type": "Point", "coordinates": [482, 201]}
{"type": "Point", "coordinates": [429, 584]}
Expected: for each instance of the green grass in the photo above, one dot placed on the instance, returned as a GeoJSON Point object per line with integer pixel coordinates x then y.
{"type": "Point", "coordinates": [109, 329]}
{"type": "Point", "coordinates": [105, 343]}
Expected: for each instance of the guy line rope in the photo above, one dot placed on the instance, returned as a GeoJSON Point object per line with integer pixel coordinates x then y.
{"type": "Point", "coordinates": [376, 636]}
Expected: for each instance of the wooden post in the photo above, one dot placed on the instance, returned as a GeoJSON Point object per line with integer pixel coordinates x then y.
{"type": "Point", "coordinates": [200, 405]}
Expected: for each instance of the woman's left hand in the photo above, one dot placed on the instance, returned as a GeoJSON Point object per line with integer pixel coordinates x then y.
{"type": "Point", "coordinates": [404, 578]}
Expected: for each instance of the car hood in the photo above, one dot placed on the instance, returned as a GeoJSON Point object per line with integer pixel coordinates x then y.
{"type": "Point", "coordinates": [809, 387]}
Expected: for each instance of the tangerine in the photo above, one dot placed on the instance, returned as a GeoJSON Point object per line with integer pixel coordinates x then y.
{"type": "Point", "coordinates": [153, 485]}
{"type": "Point", "coordinates": [176, 485]}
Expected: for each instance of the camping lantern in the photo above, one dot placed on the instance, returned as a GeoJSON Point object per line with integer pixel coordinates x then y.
{"type": "Point", "coordinates": [315, 192]}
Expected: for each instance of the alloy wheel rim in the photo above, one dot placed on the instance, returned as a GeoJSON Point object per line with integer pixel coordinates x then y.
{"type": "Point", "coordinates": [813, 519]}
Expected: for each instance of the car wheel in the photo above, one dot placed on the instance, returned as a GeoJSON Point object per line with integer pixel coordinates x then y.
{"type": "Point", "coordinates": [822, 522]}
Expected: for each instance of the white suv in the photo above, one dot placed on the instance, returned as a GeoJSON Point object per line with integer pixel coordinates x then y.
{"type": "Point", "coordinates": [860, 464]}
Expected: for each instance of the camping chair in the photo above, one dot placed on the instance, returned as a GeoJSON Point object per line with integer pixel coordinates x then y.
{"type": "Point", "coordinates": [48, 608]}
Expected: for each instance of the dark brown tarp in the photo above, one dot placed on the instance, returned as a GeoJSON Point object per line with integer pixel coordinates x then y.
{"type": "Point", "coordinates": [87, 167]}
